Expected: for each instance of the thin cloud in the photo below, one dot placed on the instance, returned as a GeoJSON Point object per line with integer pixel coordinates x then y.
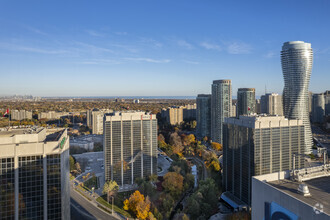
{"type": "Point", "coordinates": [100, 62]}
{"type": "Point", "coordinates": [149, 60]}
{"type": "Point", "coordinates": [270, 54]}
{"type": "Point", "coordinates": [126, 47]}
{"type": "Point", "coordinates": [94, 33]}
{"type": "Point", "coordinates": [95, 48]}
{"type": "Point", "coordinates": [185, 44]}
{"type": "Point", "coordinates": [31, 49]}
{"type": "Point", "coordinates": [238, 48]}
{"type": "Point", "coordinates": [210, 46]}
{"type": "Point", "coordinates": [151, 42]}
{"type": "Point", "coordinates": [35, 30]}
{"type": "Point", "coordinates": [191, 62]}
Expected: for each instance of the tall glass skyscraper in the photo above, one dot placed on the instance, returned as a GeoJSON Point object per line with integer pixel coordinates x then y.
{"type": "Point", "coordinates": [297, 61]}
{"type": "Point", "coordinates": [221, 104]}
{"type": "Point", "coordinates": [246, 101]}
{"type": "Point", "coordinates": [203, 115]}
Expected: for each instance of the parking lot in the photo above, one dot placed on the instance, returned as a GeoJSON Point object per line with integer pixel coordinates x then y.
{"type": "Point", "coordinates": [93, 162]}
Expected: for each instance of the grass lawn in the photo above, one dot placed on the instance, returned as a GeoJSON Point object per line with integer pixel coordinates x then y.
{"type": "Point", "coordinates": [92, 182]}
{"type": "Point", "coordinates": [115, 208]}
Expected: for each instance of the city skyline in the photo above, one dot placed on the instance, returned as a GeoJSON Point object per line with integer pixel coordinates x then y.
{"type": "Point", "coordinates": [85, 50]}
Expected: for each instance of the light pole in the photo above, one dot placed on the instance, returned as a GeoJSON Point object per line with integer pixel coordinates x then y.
{"type": "Point", "coordinates": [112, 204]}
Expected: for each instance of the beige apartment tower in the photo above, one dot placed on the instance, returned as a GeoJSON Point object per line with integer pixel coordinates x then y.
{"type": "Point", "coordinates": [130, 146]}
{"type": "Point", "coordinates": [271, 104]}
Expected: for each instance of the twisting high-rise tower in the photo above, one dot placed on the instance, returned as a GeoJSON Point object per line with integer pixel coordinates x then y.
{"type": "Point", "coordinates": [297, 61]}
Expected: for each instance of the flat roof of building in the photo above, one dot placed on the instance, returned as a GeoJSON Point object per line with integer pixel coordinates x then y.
{"type": "Point", "coordinates": [12, 132]}
{"type": "Point", "coordinates": [54, 135]}
{"type": "Point", "coordinates": [51, 134]}
{"type": "Point", "coordinates": [319, 189]}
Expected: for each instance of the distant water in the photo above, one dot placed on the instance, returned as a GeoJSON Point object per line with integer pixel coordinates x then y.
{"type": "Point", "coordinates": [124, 97]}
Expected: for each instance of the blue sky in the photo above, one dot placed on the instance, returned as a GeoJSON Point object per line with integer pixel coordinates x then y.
{"type": "Point", "coordinates": [160, 48]}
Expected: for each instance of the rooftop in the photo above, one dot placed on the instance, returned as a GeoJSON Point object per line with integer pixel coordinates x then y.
{"type": "Point", "coordinates": [263, 121]}
{"type": "Point", "coordinates": [54, 135]}
{"type": "Point", "coordinates": [319, 189]}
{"type": "Point", "coordinates": [12, 132]}
{"type": "Point", "coordinates": [30, 135]}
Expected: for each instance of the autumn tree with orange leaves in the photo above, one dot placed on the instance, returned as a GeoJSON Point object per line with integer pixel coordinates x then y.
{"type": "Point", "coordinates": [216, 146]}
{"type": "Point", "coordinates": [138, 205]}
{"type": "Point", "coordinates": [173, 183]}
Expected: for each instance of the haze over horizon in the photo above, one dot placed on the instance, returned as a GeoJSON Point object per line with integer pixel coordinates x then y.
{"type": "Point", "coordinates": [147, 48]}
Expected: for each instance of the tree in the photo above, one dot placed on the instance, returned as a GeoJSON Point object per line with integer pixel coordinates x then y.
{"type": "Point", "coordinates": [78, 168]}
{"type": "Point", "coordinates": [193, 207]}
{"type": "Point", "coordinates": [173, 183]}
{"type": "Point", "coordinates": [161, 141]}
{"type": "Point", "coordinates": [167, 203]}
{"type": "Point", "coordinates": [110, 188]}
{"type": "Point", "coordinates": [157, 214]}
{"type": "Point", "coordinates": [216, 146]}
{"type": "Point", "coordinates": [205, 139]}
{"type": "Point", "coordinates": [204, 200]}
{"type": "Point", "coordinates": [138, 205]}
{"type": "Point", "coordinates": [153, 178]}
{"type": "Point", "coordinates": [189, 181]}
{"type": "Point", "coordinates": [189, 139]}
{"type": "Point", "coordinates": [71, 161]}
{"type": "Point", "coordinates": [175, 140]}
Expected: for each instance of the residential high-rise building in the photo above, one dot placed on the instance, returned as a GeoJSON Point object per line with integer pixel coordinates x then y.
{"type": "Point", "coordinates": [89, 118]}
{"type": "Point", "coordinates": [173, 115]}
{"type": "Point", "coordinates": [271, 104]}
{"type": "Point", "coordinates": [258, 106]}
{"type": "Point", "coordinates": [297, 61]}
{"type": "Point", "coordinates": [256, 145]}
{"type": "Point", "coordinates": [95, 120]}
{"type": "Point", "coordinates": [246, 101]}
{"type": "Point", "coordinates": [52, 115]}
{"type": "Point", "coordinates": [203, 115]}
{"type": "Point", "coordinates": [221, 104]}
{"type": "Point", "coordinates": [20, 115]}
{"type": "Point", "coordinates": [327, 102]}
{"type": "Point", "coordinates": [189, 112]}
{"type": "Point", "coordinates": [310, 102]}
{"type": "Point", "coordinates": [34, 174]}
{"type": "Point", "coordinates": [130, 146]}
{"type": "Point", "coordinates": [318, 110]}
{"type": "Point", "coordinates": [233, 110]}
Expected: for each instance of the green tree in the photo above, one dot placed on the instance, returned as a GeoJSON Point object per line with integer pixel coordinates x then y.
{"type": "Point", "coordinates": [110, 188]}
{"type": "Point", "coordinates": [72, 162]}
{"type": "Point", "coordinates": [189, 181]}
{"type": "Point", "coordinates": [173, 183]}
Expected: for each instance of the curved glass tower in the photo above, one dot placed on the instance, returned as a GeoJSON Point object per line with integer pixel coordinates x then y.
{"type": "Point", "coordinates": [297, 61]}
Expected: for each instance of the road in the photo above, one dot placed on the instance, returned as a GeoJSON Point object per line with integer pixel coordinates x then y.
{"type": "Point", "coordinates": [200, 162]}
{"type": "Point", "coordinates": [322, 137]}
{"type": "Point", "coordinates": [88, 208]}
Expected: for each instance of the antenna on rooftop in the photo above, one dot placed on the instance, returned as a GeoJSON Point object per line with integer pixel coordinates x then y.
{"type": "Point", "coordinates": [265, 89]}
